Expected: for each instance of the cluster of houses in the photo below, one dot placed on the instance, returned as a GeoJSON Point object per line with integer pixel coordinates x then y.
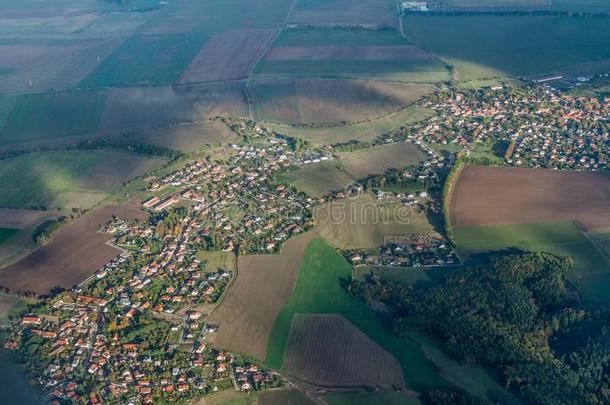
{"type": "Point", "coordinates": [416, 250]}
{"type": "Point", "coordinates": [540, 126]}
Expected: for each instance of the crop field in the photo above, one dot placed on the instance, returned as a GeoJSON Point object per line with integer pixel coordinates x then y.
{"type": "Point", "coordinates": [331, 100]}
{"type": "Point", "coordinates": [74, 253]}
{"type": "Point", "coordinates": [227, 56]}
{"type": "Point", "coordinates": [146, 60]}
{"type": "Point", "coordinates": [188, 138]}
{"type": "Point", "coordinates": [249, 309]}
{"type": "Point", "coordinates": [284, 397]}
{"type": "Point", "coordinates": [373, 398]}
{"type": "Point", "coordinates": [362, 222]}
{"type": "Point", "coordinates": [144, 108]}
{"type": "Point", "coordinates": [318, 290]}
{"type": "Point", "coordinates": [495, 196]}
{"type": "Point", "coordinates": [335, 53]}
{"type": "Point", "coordinates": [331, 12]}
{"type": "Point", "coordinates": [328, 351]}
{"type": "Point", "coordinates": [55, 117]}
{"type": "Point", "coordinates": [212, 16]}
{"type": "Point", "coordinates": [320, 179]}
{"type": "Point", "coordinates": [6, 233]}
{"type": "Point", "coordinates": [363, 131]}
{"type": "Point", "coordinates": [594, 6]}
{"type": "Point", "coordinates": [530, 45]}
{"type": "Point", "coordinates": [45, 179]}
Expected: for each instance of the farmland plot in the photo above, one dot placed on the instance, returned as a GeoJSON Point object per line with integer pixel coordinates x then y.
{"type": "Point", "coordinates": [74, 253]}
{"type": "Point", "coordinates": [328, 351]}
{"type": "Point", "coordinates": [227, 56]}
{"type": "Point", "coordinates": [247, 312]}
{"type": "Point", "coordinates": [366, 12]}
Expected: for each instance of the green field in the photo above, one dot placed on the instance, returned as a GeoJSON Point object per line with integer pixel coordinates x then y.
{"type": "Point", "coordinates": [303, 37]}
{"type": "Point", "coordinates": [344, 12]}
{"type": "Point", "coordinates": [413, 276]}
{"type": "Point", "coordinates": [6, 233]}
{"type": "Point", "coordinates": [44, 117]}
{"type": "Point", "coordinates": [594, 6]}
{"type": "Point", "coordinates": [372, 398]}
{"type": "Point", "coordinates": [365, 131]}
{"type": "Point", "coordinates": [146, 60]}
{"type": "Point", "coordinates": [591, 270]}
{"type": "Point", "coordinates": [318, 290]}
{"type": "Point", "coordinates": [495, 46]}
{"type": "Point", "coordinates": [66, 179]}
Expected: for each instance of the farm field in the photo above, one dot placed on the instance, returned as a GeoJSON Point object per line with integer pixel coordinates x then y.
{"type": "Point", "coordinates": [187, 138]}
{"type": "Point", "coordinates": [69, 179]}
{"type": "Point", "coordinates": [336, 53]}
{"type": "Point", "coordinates": [318, 290]}
{"type": "Point", "coordinates": [373, 398]}
{"type": "Point", "coordinates": [364, 131]}
{"type": "Point", "coordinates": [249, 308]}
{"type": "Point", "coordinates": [320, 179]}
{"type": "Point", "coordinates": [227, 56]}
{"type": "Point", "coordinates": [591, 270]}
{"type": "Point", "coordinates": [502, 195]}
{"type": "Point", "coordinates": [330, 12]}
{"type": "Point", "coordinates": [284, 397]}
{"type": "Point", "coordinates": [142, 109]}
{"type": "Point", "coordinates": [55, 117]}
{"type": "Point", "coordinates": [331, 100]}
{"type": "Point", "coordinates": [594, 6]}
{"type": "Point", "coordinates": [362, 222]}
{"type": "Point", "coordinates": [74, 253]}
{"type": "Point", "coordinates": [531, 45]}
{"type": "Point", "coordinates": [146, 60]}
{"type": "Point", "coordinates": [413, 276]}
{"type": "Point", "coordinates": [213, 16]}
{"type": "Point", "coordinates": [319, 346]}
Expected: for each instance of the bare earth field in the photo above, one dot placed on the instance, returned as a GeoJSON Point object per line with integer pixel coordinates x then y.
{"type": "Point", "coordinates": [249, 308]}
{"type": "Point", "coordinates": [328, 351]}
{"type": "Point", "coordinates": [331, 100]}
{"type": "Point", "coordinates": [332, 52]}
{"type": "Point", "coordinates": [74, 253]}
{"type": "Point", "coordinates": [500, 196]}
{"type": "Point", "coordinates": [227, 56]}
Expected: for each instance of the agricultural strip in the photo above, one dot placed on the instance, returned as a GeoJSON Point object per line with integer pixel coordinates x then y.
{"type": "Point", "coordinates": [226, 56]}
{"type": "Point", "coordinates": [146, 60]}
{"type": "Point", "coordinates": [530, 45]}
{"type": "Point", "coordinates": [364, 131]}
{"type": "Point", "coordinates": [330, 12]}
{"type": "Point", "coordinates": [73, 254]}
{"type": "Point", "coordinates": [328, 351]}
{"type": "Point", "coordinates": [502, 195]}
{"type": "Point", "coordinates": [318, 290]}
{"type": "Point", "coordinates": [250, 307]}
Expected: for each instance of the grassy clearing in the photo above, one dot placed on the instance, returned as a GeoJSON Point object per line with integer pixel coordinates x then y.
{"type": "Point", "coordinates": [217, 260]}
{"type": "Point", "coordinates": [484, 47]}
{"type": "Point", "coordinates": [362, 222]}
{"type": "Point", "coordinates": [69, 179]}
{"type": "Point", "coordinates": [591, 270]}
{"type": "Point", "coordinates": [290, 397]}
{"type": "Point", "coordinates": [57, 115]}
{"type": "Point", "coordinates": [318, 289]}
{"type": "Point", "coordinates": [146, 60]}
{"type": "Point", "coordinates": [362, 132]}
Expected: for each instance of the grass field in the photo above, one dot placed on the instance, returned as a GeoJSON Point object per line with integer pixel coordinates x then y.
{"type": "Point", "coordinates": [372, 398]}
{"type": "Point", "coordinates": [284, 397]}
{"type": "Point", "coordinates": [6, 233]}
{"type": "Point", "coordinates": [591, 271]}
{"type": "Point", "coordinates": [69, 179]}
{"type": "Point", "coordinates": [215, 261]}
{"type": "Point", "coordinates": [336, 53]}
{"type": "Point", "coordinates": [146, 60]}
{"type": "Point", "coordinates": [320, 179]}
{"type": "Point", "coordinates": [496, 46]}
{"type": "Point", "coordinates": [57, 115]}
{"type": "Point", "coordinates": [414, 276]}
{"type": "Point", "coordinates": [362, 222]}
{"type": "Point", "coordinates": [318, 290]}
{"type": "Point", "coordinates": [362, 131]}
